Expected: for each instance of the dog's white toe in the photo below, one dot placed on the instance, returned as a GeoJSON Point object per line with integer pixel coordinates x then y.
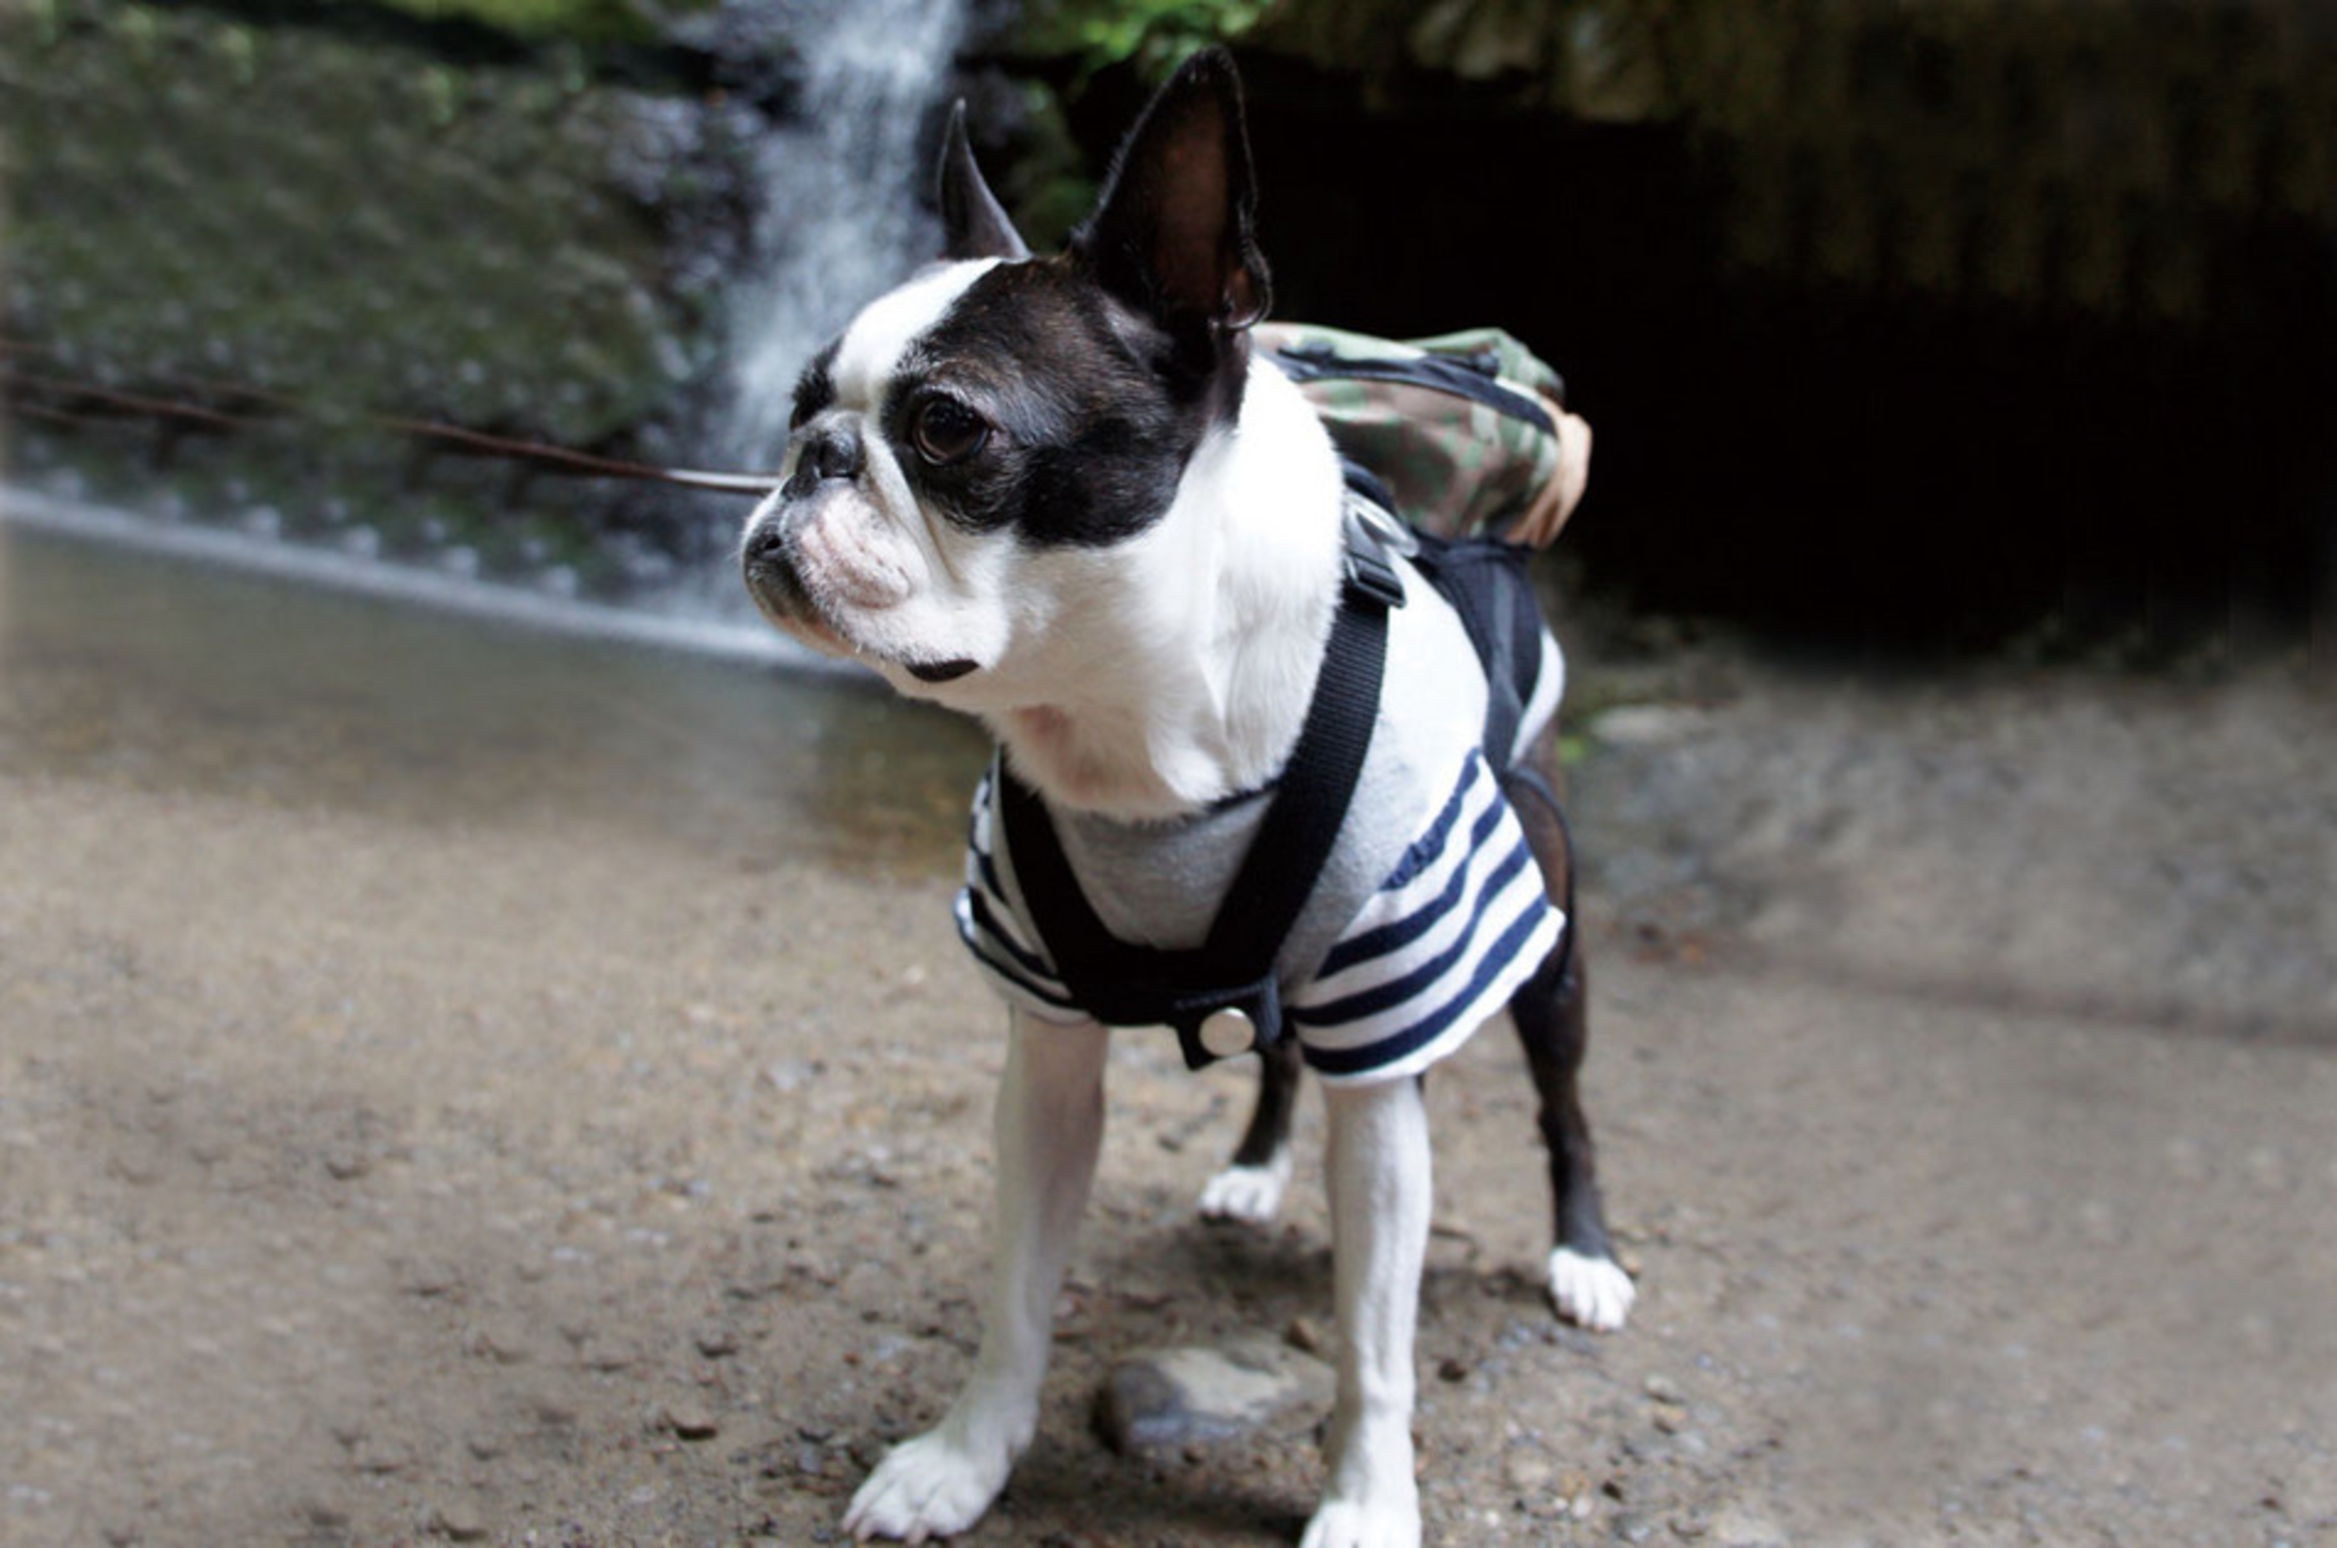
{"type": "Point", "coordinates": [1250, 1194]}
{"type": "Point", "coordinates": [1593, 1293]}
{"type": "Point", "coordinates": [1345, 1524]}
{"type": "Point", "coordinates": [925, 1488]}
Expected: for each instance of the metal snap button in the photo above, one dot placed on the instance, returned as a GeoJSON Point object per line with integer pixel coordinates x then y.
{"type": "Point", "coordinates": [1228, 1032]}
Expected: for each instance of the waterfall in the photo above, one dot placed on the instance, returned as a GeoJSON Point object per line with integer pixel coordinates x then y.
{"type": "Point", "coordinates": [841, 221]}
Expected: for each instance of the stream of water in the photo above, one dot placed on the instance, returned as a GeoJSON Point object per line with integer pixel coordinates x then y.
{"type": "Point", "coordinates": [838, 226]}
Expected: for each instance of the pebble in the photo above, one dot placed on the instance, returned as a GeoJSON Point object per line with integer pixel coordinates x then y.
{"type": "Point", "coordinates": [458, 1524]}
{"type": "Point", "coordinates": [1170, 1398]}
{"type": "Point", "coordinates": [610, 1357]}
{"type": "Point", "coordinates": [1531, 1473]}
{"type": "Point", "coordinates": [1304, 1335]}
{"type": "Point", "coordinates": [382, 1458]}
{"type": "Point", "coordinates": [1733, 1526]}
{"type": "Point", "coordinates": [689, 1419]}
{"type": "Point", "coordinates": [503, 1346]}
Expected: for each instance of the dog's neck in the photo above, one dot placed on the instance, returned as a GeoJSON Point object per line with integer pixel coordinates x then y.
{"type": "Point", "coordinates": [1185, 668]}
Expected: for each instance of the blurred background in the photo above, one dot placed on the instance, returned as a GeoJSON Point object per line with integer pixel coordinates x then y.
{"type": "Point", "coordinates": [1996, 328]}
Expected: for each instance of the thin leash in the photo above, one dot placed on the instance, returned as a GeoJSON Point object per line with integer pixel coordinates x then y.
{"type": "Point", "coordinates": [54, 398]}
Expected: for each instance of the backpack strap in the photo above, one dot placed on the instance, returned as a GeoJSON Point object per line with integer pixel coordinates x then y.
{"type": "Point", "coordinates": [1486, 581]}
{"type": "Point", "coordinates": [1223, 997]}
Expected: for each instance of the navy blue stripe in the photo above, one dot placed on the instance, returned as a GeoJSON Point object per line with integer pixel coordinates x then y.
{"type": "Point", "coordinates": [982, 919]}
{"type": "Point", "coordinates": [1382, 940]}
{"type": "Point", "coordinates": [989, 963]}
{"type": "Point", "coordinates": [1372, 1056]}
{"type": "Point", "coordinates": [1370, 1002]}
{"type": "Point", "coordinates": [1429, 845]}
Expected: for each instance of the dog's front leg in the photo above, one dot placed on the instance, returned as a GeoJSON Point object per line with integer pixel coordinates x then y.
{"type": "Point", "coordinates": [1050, 1122]}
{"type": "Point", "coordinates": [1380, 1198]}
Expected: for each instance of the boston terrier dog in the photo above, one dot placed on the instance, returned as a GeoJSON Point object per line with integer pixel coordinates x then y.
{"type": "Point", "coordinates": [1065, 495]}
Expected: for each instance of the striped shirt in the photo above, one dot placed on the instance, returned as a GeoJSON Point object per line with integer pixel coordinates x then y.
{"type": "Point", "coordinates": [1438, 946]}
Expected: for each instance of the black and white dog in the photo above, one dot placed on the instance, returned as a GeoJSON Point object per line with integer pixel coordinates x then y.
{"type": "Point", "coordinates": [1061, 494]}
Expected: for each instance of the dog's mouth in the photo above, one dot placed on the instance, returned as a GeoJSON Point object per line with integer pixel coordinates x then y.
{"type": "Point", "coordinates": [785, 600]}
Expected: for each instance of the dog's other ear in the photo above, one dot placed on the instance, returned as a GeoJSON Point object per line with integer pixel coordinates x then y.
{"type": "Point", "coordinates": [1173, 232]}
{"type": "Point", "coordinates": [973, 222]}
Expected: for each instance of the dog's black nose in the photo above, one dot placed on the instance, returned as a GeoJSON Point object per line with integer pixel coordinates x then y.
{"type": "Point", "coordinates": [765, 544]}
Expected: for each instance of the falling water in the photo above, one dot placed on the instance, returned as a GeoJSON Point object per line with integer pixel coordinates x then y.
{"type": "Point", "coordinates": [841, 220]}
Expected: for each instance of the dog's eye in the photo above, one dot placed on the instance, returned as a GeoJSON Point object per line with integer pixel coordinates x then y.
{"type": "Point", "coordinates": [945, 431]}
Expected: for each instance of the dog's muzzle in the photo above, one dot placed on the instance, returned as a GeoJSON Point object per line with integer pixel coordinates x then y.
{"type": "Point", "coordinates": [769, 567]}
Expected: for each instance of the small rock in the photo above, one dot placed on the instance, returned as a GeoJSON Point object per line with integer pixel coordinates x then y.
{"type": "Point", "coordinates": [1529, 1472]}
{"type": "Point", "coordinates": [1175, 1397]}
{"type": "Point", "coordinates": [1733, 1526]}
{"type": "Point", "coordinates": [1304, 1335]}
{"type": "Point", "coordinates": [714, 1341]}
{"type": "Point", "coordinates": [1670, 1418]}
{"type": "Point", "coordinates": [500, 1345]}
{"type": "Point", "coordinates": [1663, 1389]}
{"type": "Point", "coordinates": [458, 1524]}
{"type": "Point", "coordinates": [689, 1419]}
{"type": "Point", "coordinates": [611, 1356]}
{"type": "Point", "coordinates": [1452, 1368]}
{"type": "Point", "coordinates": [382, 1457]}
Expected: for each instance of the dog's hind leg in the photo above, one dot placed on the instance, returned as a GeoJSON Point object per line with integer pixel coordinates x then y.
{"type": "Point", "coordinates": [1250, 1188]}
{"type": "Point", "coordinates": [1552, 1013]}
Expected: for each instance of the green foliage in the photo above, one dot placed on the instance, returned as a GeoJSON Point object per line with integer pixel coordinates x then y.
{"type": "Point", "coordinates": [583, 21]}
{"type": "Point", "coordinates": [1157, 35]}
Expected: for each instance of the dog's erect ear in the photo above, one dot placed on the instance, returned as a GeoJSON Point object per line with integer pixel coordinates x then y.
{"type": "Point", "coordinates": [1173, 233]}
{"type": "Point", "coordinates": [973, 222]}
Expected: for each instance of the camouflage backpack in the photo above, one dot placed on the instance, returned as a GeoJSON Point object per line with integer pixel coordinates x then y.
{"type": "Point", "coordinates": [1461, 430]}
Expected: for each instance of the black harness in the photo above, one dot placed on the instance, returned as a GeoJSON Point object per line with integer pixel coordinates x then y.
{"type": "Point", "coordinates": [1223, 997]}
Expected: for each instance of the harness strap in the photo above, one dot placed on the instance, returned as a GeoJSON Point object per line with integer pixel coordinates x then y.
{"type": "Point", "coordinates": [1223, 996]}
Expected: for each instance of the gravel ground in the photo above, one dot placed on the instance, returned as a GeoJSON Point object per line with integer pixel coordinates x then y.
{"type": "Point", "coordinates": [434, 1105]}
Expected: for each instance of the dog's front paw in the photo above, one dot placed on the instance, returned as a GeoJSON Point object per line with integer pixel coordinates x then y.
{"type": "Point", "coordinates": [1249, 1194]}
{"type": "Point", "coordinates": [927, 1487]}
{"type": "Point", "coordinates": [1350, 1524]}
{"type": "Point", "coordinates": [1593, 1293]}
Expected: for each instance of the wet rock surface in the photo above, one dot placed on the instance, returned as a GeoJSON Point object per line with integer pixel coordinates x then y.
{"type": "Point", "coordinates": [364, 229]}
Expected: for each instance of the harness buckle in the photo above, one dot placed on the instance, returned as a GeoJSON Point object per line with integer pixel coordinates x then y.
{"type": "Point", "coordinates": [1370, 575]}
